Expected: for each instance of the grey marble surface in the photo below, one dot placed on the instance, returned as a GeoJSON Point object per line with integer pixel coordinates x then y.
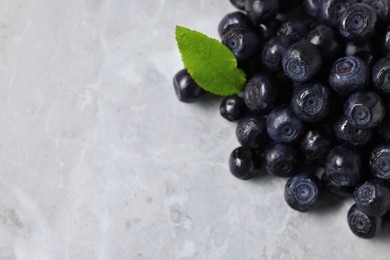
{"type": "Point", "coordinates": [100, 161]}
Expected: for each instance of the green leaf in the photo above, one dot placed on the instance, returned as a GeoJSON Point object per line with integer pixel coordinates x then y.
{"type": "Point", "coordinates": [210, 63]}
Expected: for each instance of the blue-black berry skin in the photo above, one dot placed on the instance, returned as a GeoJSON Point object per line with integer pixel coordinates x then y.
{"type": "Point", "coordinates": [302, 61]}
{"type": "Point", "coordinates": [239, 4]}
{"type": "Point", "coordinates": [373, 197]}
{"type": "Point", "coordinates": [380, 162]}
{"type": "Point", "coordinates": [280, 160]}
{"type": "Point", "coordinates": [273, 52]}
{"type": "Point", "coordinates": [260, 11]}
{"type": "Point", "coordinates": [236, 19]}
{"type": "Point", "coordinates": [242, 42]}
{"type": "Point", "coordinates": [325, 38]}
{"type": "Point", "coordinates": [334, 188]}
{"type": "Point", "coordinates": [315, 145]}
{"type": "Point", "coordinates": [244, 163]}
{"type": "Point", "coordinates": [232, 108]}
{"type": "Point", "coordinates": [288, 6]}
{"type": "Point", "coordinates": [364, 109]}
{"type": "Point", "coordinates": [343, 166]}
{"type": "Point", "coordinates": [349, 74]}
{"type": "Point", "coordinates": [330, 11]}
{"type": "Point", "coordinates": [251, 132]}
{"type": "Point", "coordinates": [293, 30]}
{"type": "Point", "coordinates": [361, 224]}
{"type": "Point", "coordinates": [186, 89]}
{"type": "Point", "coordinates": [261, 93]}
{"type": "Point", "coordinates": [302, 192]}
{"type": "Point", "coordinates": [381, 76]}
{"type": "Point", "coordinates": [312, 7]}
{"type": "Point", "coordinates": [358, 23]}
{"type": "Point", "coordinates": [384, 128]}
{"type": "Point", "coordinates": [349, 134]}
{"type": "Point", "coordinates": [311, 102]}
{"type": "Point", "coordinates": [268, 29]}
{"type": "Point", "coordinates": [381, 8]}
{"type": "Point", "coordinates": [283, 126]}
{"type": "Point", "coordinates": [386, 41]}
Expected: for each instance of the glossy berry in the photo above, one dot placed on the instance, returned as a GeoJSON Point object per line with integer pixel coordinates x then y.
{"type": "Point", "coordinates": [336, 189]}
{"type": "Point", "coordinates": [186, 89]}
{"type": "Point", "coordinates": [251, 131]}
{"type": "Point", "coordinates": [268, 30]}
{"type": "Point", "coordinates": [381, 76]}
{"type": "Point", "coordinates": [231, 20]}
{"type": "Point", "coordinates": [343, 166]}
{"type": "Point", "coordinates": [373, 197]}
{"type": "Point", "coordinates": [244, 163]}
{"type": "Point", "coordinates": [302, 61]}
{"type": "Point", "coordinates": [283, 126]}
{"type": "Point", "coordinates": [358, 23]}
{"type": "Point", "coordinates": [381, 8]}
{"type": "Point", "coordinates": [386, 41]}
{"type": "Point", "coordinates": [351, 135]}
{"type": "Point", "coordinates": [232, 108]}
{"type": "Point", "coordinates": [273, 52]}
{"type": "Point", "coordinates": [260, 93]}
{"type": "Point", "coordinates": [311, 102]}
{"type": "Point", "coordinates": [331, 10]}
{"type": "Point", "coordinates": [315, 145]}
{"type": "Point", "coordinates": [242, 42]}
{"type": "Point", "coordinates": [380, 162]}
{"type": "Point", "coordinates": [293, 30]}
{"type": "Point", "coordinates": [348, 74]}
{"type": "Point", "coordinates": [326, 40]}
{"type": "Point", "coordinates": [280, 160]}
{"type": "Point", "coordinates": [311, 7]}
{"type": "Point", "coordinates": [364, 109]}
{"type": "Point", "coordinates": [302, 192]}
{"type": "Point", "coordinates": [260, 11]}
{"type": "Point", "coordinates": [239, 4]}
{"type": "Point", "coordinates": [361, 224]}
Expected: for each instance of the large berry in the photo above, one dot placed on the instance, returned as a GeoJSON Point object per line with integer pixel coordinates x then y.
{"type": "Point", "coordinates": [280, 160]}
{"type": "Point", "coordinates": [343, 166]}
{"type": "Point", "coordinates": [231, 20]}
{"type": "Point", "coordinates": [381, 75]}
{"type": "Point", "coordinates": [302, 192]}
{"type": "Point", "coordinates": [242, 42]}
{"type": "Point", "coordinates": [358, 23]}
{"type": "Point", "coordinates": [380, 162]}
{"type": "Point", "coordinates": [348, 75]}
{"type": "Point", "coordinates": [316, 144]}
{"type": "Point", "coordinates": [244, 163]}
{"type": "Point", "coordinates": [373, 197]}
{"type": "Point", "coordinates": [330, 10]}
{"type": "Point", "coordinates": [260, 93]}
{"type": "Point", "coordinates": [361, 224]}
{"type": "Point", "coordinates": [364, 109]}
{"type": "Point", "coordinates": [273, 52]}
{"type": "Point", "coordinates": [302, 61]}
{"type": "Point", "coordinates": [232, 108]}
{"type": "Point", "coordinates": [251, 132]}
{"type": "Point", "coordinates": [311, 102]}
{"type": "Point", "coordinates": [185, 87]}
{"type": "Point", "coordinates": [283, 126]}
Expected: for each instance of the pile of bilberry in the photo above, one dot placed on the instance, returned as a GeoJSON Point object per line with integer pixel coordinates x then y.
{"type": "Point", "coordinates": [317, 91]}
